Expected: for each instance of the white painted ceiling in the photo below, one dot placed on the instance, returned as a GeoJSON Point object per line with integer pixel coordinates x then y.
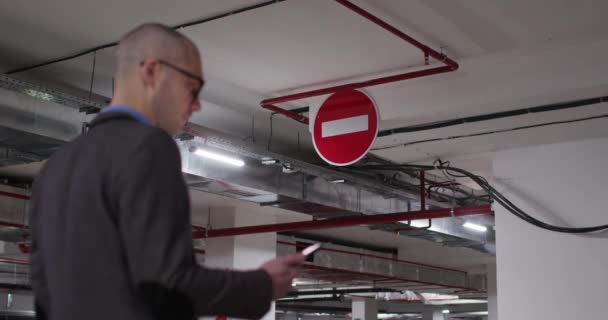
{"type": "Point", "coordinates": [513, 54]}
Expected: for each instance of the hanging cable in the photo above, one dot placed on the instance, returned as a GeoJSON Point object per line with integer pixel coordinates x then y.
{"type": "Point", "coordinates": [113, 44]}
{"type": "Point", "coordinates": [452, 182]}
{"type": "Point", "coordinates": [270, 133]}
{"type": "Point", "coordinates": [490, 132]}
{"type": "Point", "coordinates": [92, 75]}
{"type": "Point", "coordinates": [495, 115]}
{"type": "Point", "coordinates": [494, 194]}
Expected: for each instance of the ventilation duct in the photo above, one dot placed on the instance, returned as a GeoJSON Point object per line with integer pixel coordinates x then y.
{"type": "Point", "coordinates": [38, 119]}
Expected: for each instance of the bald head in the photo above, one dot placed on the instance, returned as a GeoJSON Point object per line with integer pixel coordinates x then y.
{"type": "Point", "coordinates": [158, 73]}
{"type": "Point", "coordinates": [151, 40]}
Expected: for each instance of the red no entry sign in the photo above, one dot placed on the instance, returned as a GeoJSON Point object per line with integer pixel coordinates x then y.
{"type": "Point", "coordinates": [345, 127]}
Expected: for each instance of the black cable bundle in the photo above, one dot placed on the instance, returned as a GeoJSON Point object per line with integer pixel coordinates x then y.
{"type": "Point", "coordinates": [494, 194]}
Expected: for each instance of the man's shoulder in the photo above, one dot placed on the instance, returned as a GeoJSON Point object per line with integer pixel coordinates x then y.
{"type": "Point", "coordinates": [128, 134]}
{"type": "Point", "coordinates": [127, 129]}
{"type": "Point", "coordinates": [133, 138]}
{"type": "Point", "coordinates": [113, 141]}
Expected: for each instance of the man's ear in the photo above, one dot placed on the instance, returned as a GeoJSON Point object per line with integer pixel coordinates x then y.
{"type": "Point", "coordinates": [148, 72]}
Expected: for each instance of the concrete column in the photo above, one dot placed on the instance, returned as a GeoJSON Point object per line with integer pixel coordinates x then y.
{"type": "Point", "coordinates": [251, 251]}
{"type": "Point", "coordinates": [364, 309]}
{"type": "Point", "coordinates": [432, 314]}
{"type": "Point", "coordinates": [544, 274]}
{"type": "Point", "coordinates": [242, 252]}
{"type": "Point", "coordinates": [16, 302]}
{"type": "Point", "coordinates": [219, 252]}
{"type": "Point", "coordinates": [288, 316]}
{"type": "Point", "coordinates": [492, 292]}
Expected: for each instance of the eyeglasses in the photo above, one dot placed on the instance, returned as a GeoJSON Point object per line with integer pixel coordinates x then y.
{"type": "Point", "coordinates": [201, 81]}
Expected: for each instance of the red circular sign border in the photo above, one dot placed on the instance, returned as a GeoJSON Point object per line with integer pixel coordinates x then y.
{"type": "Point", "coordinates": [371, 143]}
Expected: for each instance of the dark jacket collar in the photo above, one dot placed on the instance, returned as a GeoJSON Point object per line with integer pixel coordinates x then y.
{"type": "Point", "coordinates": [110, 116]}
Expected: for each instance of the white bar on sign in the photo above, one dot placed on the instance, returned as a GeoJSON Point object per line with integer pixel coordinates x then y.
{"type": "Point", "coordinates": [344, 126]}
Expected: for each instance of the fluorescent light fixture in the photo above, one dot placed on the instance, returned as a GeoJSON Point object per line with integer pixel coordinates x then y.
{"type": "Point", "coordinates": [446, 311]}
{"type": "Point", "coordinates": [337, 181]}
{"type": "Point", "coordinates": [457, 301]}
{"type": "Point", "coordinates": [417, 223]}
{"type": "Point", "coordinates": [218, 157]}
{"type": "Point", "coordinates": [312, 296]}
{"type": "Point", "coordinates": [475, 227]}
{"type": "Point", "coordinates": [269, 161]}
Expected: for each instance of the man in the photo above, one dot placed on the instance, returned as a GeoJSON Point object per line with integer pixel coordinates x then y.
{"type": "Point", "coordinates": [110, 212]}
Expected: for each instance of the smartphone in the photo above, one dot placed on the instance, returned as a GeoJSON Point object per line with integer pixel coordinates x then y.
{"type": "Point", "coordinates": [311, 249]}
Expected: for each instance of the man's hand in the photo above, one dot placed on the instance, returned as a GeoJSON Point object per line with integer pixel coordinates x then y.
{"type": "Point", "coordinates": [282, 270]}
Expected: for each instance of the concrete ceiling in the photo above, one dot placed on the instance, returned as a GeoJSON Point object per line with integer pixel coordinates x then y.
{"type": "Point", "coordinates": [44, 30]}
{"type": "Point", "coordinates": [513, 54]}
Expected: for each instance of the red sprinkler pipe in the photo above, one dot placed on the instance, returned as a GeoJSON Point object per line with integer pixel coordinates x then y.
{"type": "Point", "coordinates": [13, 225]}
{"type": "Point", "coordinates": [427, 50]}
{"type": "Point", "coordinates": [14, 261]}
{"type": "Point", "coordinates": [450, 65]}
{"type": "Point", "coordinates": [14, 195]}
{"type": "Point", "coordinates": [343, 222]}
